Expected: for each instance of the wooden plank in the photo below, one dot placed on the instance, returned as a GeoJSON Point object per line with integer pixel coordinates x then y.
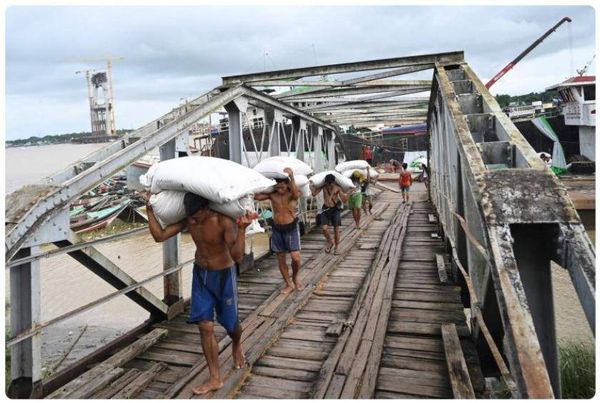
{"type": "Point", "coordinates": [419, 315]}
{"type": "Point", "coordinates": [172, 359]}
{"type": "Point", "coordinates": [441, 376]}
{"type": "Point", "coordinates": [277, 351]}
{"type": "Point", "coordinates": [272, 393]}
{"type": "Point", "coordinates": [441, 268]}
{"type": "Point", "coordinates": [292, 363]}
{"type": "Point", "coordinates": [335, 329]}
{"type": "Point", "coordinates": [89, 388]}
{"type": "Point", "coordinates": [335, 386]}
{"type": "Point", "coordinates": [117, 385]}
{"type": "Point", "coordinates": [417, 364]}
{"type": "Point", "coordinates": [428, 297]}
{"type": "Point", "coordinates": [139, 383]}
{"type": "Point", "coordinates": [427, 305]}
{"type": "Point", "coordinates": [115, 361]}
{"type": "Point", "coordinates": [277, 383]}
{"type": "Point", "coordinates": [393, 384]}
{"type": "Point", "coordinates": [285, 373]}
{"type": "Point", "coordinates": [410, 353]}
{"type": "Point", "coordinates": [457, 367]}
{"type": "Point", "coordinates": [428, 329]}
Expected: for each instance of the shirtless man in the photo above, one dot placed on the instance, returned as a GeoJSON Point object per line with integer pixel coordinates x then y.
{"type": "Point", "coordinates": [330, 216]}
{"type": "Point", "coordinates": [285, 237]}
{"type": "Point", "coordinates": [219, 245]}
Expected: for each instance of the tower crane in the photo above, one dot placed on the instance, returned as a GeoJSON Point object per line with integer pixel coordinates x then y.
{"type": "Point", "coordinates": [105, 120]}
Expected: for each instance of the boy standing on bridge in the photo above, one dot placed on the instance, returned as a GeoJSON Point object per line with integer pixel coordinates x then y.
{"type": "Point", "coordinates": [285, 236]}
{"type": "Point", "coordinates": [220, 244]}
{"type": "Point", "coordinates": [333, 197]}
{"type": "Point", "coordinates": [405, 180]}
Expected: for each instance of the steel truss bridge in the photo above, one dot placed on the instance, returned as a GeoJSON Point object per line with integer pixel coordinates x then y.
{"type": "Point", "coordinates": [503, 214]}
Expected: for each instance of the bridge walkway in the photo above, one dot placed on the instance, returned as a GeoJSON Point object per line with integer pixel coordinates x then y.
{"type": "Point", "coordinates": [367, 324]}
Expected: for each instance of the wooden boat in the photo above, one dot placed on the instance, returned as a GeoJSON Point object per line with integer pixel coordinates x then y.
{"type": "Point", "coordinates": [96, 219]}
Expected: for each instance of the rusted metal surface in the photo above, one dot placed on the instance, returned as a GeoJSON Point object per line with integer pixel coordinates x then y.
{"type": "Point", "coordinates": [466, 182]}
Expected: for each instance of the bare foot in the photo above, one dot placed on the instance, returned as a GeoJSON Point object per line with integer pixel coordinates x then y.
{"type": "Point", "coordinates": [335, 252]}
{"type": "Point", "coordinates": [298, 284]}
{"type": "Point", "coordinates": [212, 384]}
{"type": "Point", "coordinates": [239, 358]}
{"type": "Point", "coordinates": [287, 290]}
{"type": "Point", "coordinates": [328, 248]}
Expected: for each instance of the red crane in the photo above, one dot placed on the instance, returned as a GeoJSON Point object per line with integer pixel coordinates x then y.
{"type": "Point", "coordinates": [525, 52]}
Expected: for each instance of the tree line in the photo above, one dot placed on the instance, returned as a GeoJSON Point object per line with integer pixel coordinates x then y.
{"type": "Point", "coordinates": [56, 138]}
{"type": "Point", "coordinates": [546, 96]}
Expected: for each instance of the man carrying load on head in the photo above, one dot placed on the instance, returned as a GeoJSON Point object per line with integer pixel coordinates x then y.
{"type": "Point", "coordinates": [333, 197]}
{"type": "Point", "coordinates": [285, 236]}
{"type": "Point", "coordinates": [219, 244]}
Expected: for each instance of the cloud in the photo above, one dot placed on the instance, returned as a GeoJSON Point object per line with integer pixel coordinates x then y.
{"type": "Point", "coordinates": [178, 52]}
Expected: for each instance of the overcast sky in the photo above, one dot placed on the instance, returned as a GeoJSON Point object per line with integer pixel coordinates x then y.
{"type": "Point", "coordinates": [180, 52]}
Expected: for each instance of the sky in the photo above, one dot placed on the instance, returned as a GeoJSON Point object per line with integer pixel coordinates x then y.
{"type": "Point", "coordinates": [172, 53]}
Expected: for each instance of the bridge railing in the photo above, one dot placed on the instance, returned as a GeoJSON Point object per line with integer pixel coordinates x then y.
{"type": "Point", "coordinates": [506, 216]}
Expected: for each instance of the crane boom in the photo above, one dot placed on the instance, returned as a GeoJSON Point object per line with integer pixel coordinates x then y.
{"type": "Point", "coordinates": [524, 53]}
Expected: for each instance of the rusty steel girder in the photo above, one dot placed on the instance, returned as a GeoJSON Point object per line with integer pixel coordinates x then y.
{"type": "Point", "coordinates": [484, 170]}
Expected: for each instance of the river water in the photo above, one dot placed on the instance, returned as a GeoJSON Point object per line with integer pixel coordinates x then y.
{"type": "Point", "coordinates": [29, 165]}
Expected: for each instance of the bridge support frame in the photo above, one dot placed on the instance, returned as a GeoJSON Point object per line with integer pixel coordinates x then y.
{"type": "Point", "coordinates": [25, 312]}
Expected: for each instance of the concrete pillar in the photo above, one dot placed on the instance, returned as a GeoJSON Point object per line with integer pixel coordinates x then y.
{"type": "Point", "coordinates": [173, 288]}
{"type": "Point", "coordinates": [26, 357]}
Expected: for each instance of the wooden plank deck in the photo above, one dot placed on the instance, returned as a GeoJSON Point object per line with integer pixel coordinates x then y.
{"type": "Point", "coordinates": [368, 323]}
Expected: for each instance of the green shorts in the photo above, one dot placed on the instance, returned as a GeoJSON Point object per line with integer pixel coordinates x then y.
{"type": "Point", "coordinates": [355, 201]}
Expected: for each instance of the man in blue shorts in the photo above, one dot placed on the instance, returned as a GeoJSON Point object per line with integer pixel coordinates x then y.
{"type": "Point", "coordinates": [285, 236]}
{"type": "Point", "coordinates": [220, 244]}
{"type": "Point", "coordinates": [333, 197]}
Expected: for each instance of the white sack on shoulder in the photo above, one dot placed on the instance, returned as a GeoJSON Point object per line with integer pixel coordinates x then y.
{"type": "Point", "coordinates": [305, 191]}
{"type": "Point", "coordinates": [169, 209]}
{"type": "Point", "coordinates": [273, 167]}
{"type": "Point", "coordinates": [146, 179]}
{"type": "Point", "coordinates": [353, 164]}
{"type": "Point", "coordinates": [215, 179]}
{"type": "Point", "coordinates": [318, 180]}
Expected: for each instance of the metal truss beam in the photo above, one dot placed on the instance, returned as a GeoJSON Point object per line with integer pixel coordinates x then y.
{"type": "Point", "coordinates": [441, 58]}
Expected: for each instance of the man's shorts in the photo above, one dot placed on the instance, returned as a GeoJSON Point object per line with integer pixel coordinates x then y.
{"type": "Point", "coordinates": [404, 189]}
{"type": "Point", "coordinates": [215, 291]}
{"type": "Point", "coordinates": [331, 217]}
{"type": "Point", "coordinates": [285, 238]}
{"type": "Point", "coordinates": [355, 201]}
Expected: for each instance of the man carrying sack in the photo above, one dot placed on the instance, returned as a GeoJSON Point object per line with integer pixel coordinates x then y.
{"type": "Point", "coordinates": [220, 243]}
{"type": "Point", "coordinates": [285, 237]}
